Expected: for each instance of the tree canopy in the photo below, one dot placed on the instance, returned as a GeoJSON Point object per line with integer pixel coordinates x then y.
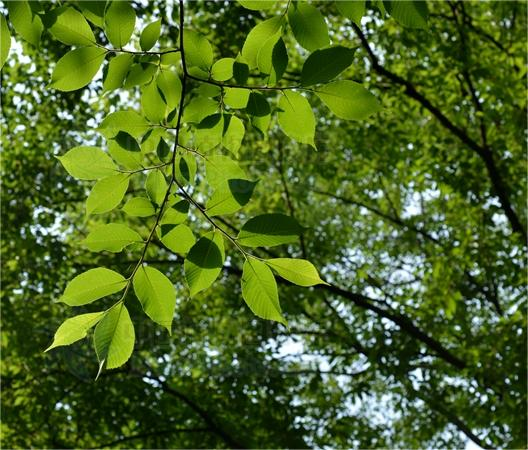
{"type": "Point", "coordinates": [263, 224]}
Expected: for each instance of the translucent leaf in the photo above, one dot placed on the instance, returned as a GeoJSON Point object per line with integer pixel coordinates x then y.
{"type": "Point", "coordinates": [150, 35]}
{"type": "Point", "coordinates": [177, 238]}
{"type": "Point", "coordinates": [88, 163]}
{"type": "Point", "coordinates": [170, 86]}
{"type": "Point", "coordinates": [176, 214]}
{"type": "Point", "coordinates": [139, 207]}
{"type": "Point", "coordinates": [259, 290]}
{"type": "Point", "coordinates": [120, 20]}
{"type": "Point", "coordinates": [308, 26]}
{"type": "Point", "coordinates": [130, 160]}
{"type": "Point", "coordinates": [324, 65]}
{"type": "Point", "coordinates": [230, 197]}
{"type": "Point", "coordinates": [258, 105]}
{"type": "Point", "coordinates": [107, 194]}
{"type": "Point", "coordinates": [348, 100]}
{"type": "Point", "coordinates": [272, 59]}
{"type": "Point", "coordinates": [113, 237]}
{"type": "Point", "coordinates": [352, 9]}
{"type": "Point", "coordinates": [118, 68]}
{"type": "Point", "coordinates": [220, 168]}
{"type": "Point", "coordinates": [296, 118]}
{"type": "Point", "coordinates": [236, 97]}
{"type": "Point", "coordinates": [156, 186]}
{"type": "Point", "coordinates": [409, 13]}
{"type": "Point", "coordinates": [163, 150]}
{"type": "Point", "coordinates": [114, 338]}
{"type": "Point", "coordinates": [93, 11]}
{"type": "Point", "coordinates": [222, 69]}
{"type": "Point", "coordinates": [204, 262]}
{"type": "Point", "coordinates": [199, 108]}
{"type": "Point", "coordinates": [77, 68]}
{"type": "Point", "coordinates": [257, 37]}
{"type": "Point", "coordinates": [257, 4]}
{"type": "Point", "coordinates": [152, 103]}
{"type": "Point", "coordinates": [26, 24]}
{"type": "Point", "coordinates": [69, 26]}
{"type": "Point", "coordinates": [268, 230]}
{"type": "Point", "coordinates": [5, 40]}
{"type": "Point", "coordinates": [156, 294]}
{"type": "Point", "coordinates": [209, 132]}
{"type": "Point", "coordinates": [140, 74]}
{"type": "Point", "coordinates": [74, 329]}
{"type": "Point", "coordinates": [185, 169]}
{"type": "Point", "coordinates": [198, 50]}
{"type": "Point", "coordinates": [297, 271]}
{"type": "Point", "coordinates": [128, 121]}
{"type": "Point", "coordinates": [233, 133]}
{"type": "Point", "coordinates": [92, 285]}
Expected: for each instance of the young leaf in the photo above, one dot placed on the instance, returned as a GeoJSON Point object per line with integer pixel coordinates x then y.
{"type": "Point", "coordinates": [257, 37]}
{"type": "Point", "coordinates": [74, 329]}
{"type": "Point", "coordinates": [185, 169]}
{"type": "Point", "coordinates": [230, 197]}
{"type": "Point", "coordinates": [272, 60]}
{"type": "Point", "coordinates": [26, 24]}
{"type": "Point", "coordinates": [219, 169]}
{"type": "Point", "coordinates": [199, 108]}
{"type": "Point", "coordinates": [198, 50]}
{"type": "Point", "coordinates": [107, 194]}
{"type": "Point", "coordinates": [150, 35]}
{"type": "Point", "coordinates": [324, 65]}
{"type": "Point", "coordinates": [204, 262]}
{"type": "Point", "coordinates": [268, 230]}
{"type": "Point", "coordinates": [296, 118]}
{"type": "Point", "coordinates": [77, 68]}
{"type": "Point", "coordinates": [69, 26]}
{"type": "Point", "coordinates": [163, 150]}
{"type": "Point", "coordinates": [409, 13]}
{"type": "Point", "coordinates": [308, 26]}
{"type": "Point", "coordinates": [118, 68]}
{"type": "Point", "coordinates": [177, 238]}
{"type": "Point", "coordinates": [236, 98]}
{"type": "Point", "coordinates": [114, 338]}
{"type": "Point", "coordinates": [139, 207]}
{"type": "Point", "coordinates": [348, 100]}
{"type": "Point", "coordinates": [170, 86]}
{"type": "Point", "coordinates": [128, 121]}
{"type": "Point", "coordinates": [257, 4]}
{"type": "Point", "coordinates": [5, 40]}
{"type": "Point", "coordinates": [259, 290]}
{"type": "Point", "coordinates": [88, 163]}
{"type": "Point", "coordinates": [92, 285]}
{"type": "Point", "coordinates": [113, 237]}
{"type": "Point", "coordinates": [233, 133]}
{"type": "Point", "coordinates": [222, 69]}
{"type": "Point", "coordinates": [352, 9]}
{"type": "Point", "coordinates": [93, 11]}
{"type": "Point", "coordinates": [130, 160]}
{"type": "Point", "coordinates": [140, 74]}
{"type": "Point", "coordinates": [156, 186]}
{"type": "Point", "coordinates": [297, 271]}
{"type": "Point", "coordinates": [152, 103]}
{"type": "Point", "coordinates": [176, 214]}
{"type": "Point", "coordinates": [156, 294]}
{"type": "Point", "coordinates": [120, 20]}
{"type": "Point", "coordinates": [208, 132]}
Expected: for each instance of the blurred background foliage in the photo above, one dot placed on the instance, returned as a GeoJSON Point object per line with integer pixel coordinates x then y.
{"type": "Point", "coordinates": [424, 344]}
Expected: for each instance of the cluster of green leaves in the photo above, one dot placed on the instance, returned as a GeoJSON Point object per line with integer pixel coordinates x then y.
{"type": "Point", "coordinates": [198, 121]}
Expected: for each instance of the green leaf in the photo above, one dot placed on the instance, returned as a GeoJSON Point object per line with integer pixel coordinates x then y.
{"type": "Point", "coordinates": [77, 68]}
{"type": "Point", "coordinates": [220, 168]}
{"type": "Point", "coordinates": [308, 26]}
{"type": "Point", "coordinates": [257, 4]}
{"type": "Point", "coordinates": [139, 74]}
{"type": "Point", "coordinates": [324, 65]}
{"type": "Point", "coordinates": [204, 262]}
{"type": "Point", "coordinates": [198, 50]}
{"type": "Point", "coordinates": [128, 121]}
{"type": "Point", "coordinates": [156, 186]}
{"type": "Point", "coordinates": [259, 290]}
{"type": "Point", "coordinates": [74, 329]}
{"type": "Point", "coordinates": [222, 69]}
{"type": "Point", "coordinates": [176, 214]}
{"type": "Point", "coordinates": [352, 9]}
{"type": "Point", "coordinates": [185, 169]}
{"type": "Point", "coordinates": [113, 237]}
{"type": "Point", "coordinates": [127, 142]}
{"type": "Point", "coordinates": [150, 35]}
{"type": "Point", "coordinates": [272, 60]}
{"type": "Point", "coordinates": [118, 68]}
{"type": "Point", "coordinates": [170, 86]}
{"type": "Point", "coordinates": [409, 13]}
{"type": "Point", "coordinates": [5, 40]}
{"type": "Point", "coordinates": [257, 37]}
{"type": "Point", "coordinates": [114, 338]}
{"type": "Point", "coordinates": [199, 108]}
{"type": "Point", "coordinates": [139, 207]}
{"type": "Point", "coordinates": [92, 285]}
{"type": "Point", "coordinates": [107, 194]}
{"type": "Point", "coordinates": [296, 118]}
{"type": "Point", "coordinates": [297, 271]}
{"type": "Point", "coordinates": [230, 197]}
{"type": "Point", "coordinates": [163, 150]}
{"type": "Point", "coordinates": [69, 26]}
{"type": "Point", "coordinates": [258, 105]}
{"type": "Point", "coordinates": [177, 238]}
{"type": "Point", "coordinates": [88, 163]}
{"type": "Point", "coordinates": [233, 133]}
{"type": "Point", "coordinates": [348, 100]}
{"type": "Point", "coordinates": [130, 160]}
{"type": "Point", "coordinates": [268, 230]}
{"type": "Point", "coordinates": [236, 98]}
{"type": "Point", "coordinates": [93, 11]}
{"type": "Point", "coordinates": [209, 132]}
{"type": "Point", "coordinates": [26, 24]}
{"type": "Point", "coordinates": [152, 103]}
{"type": "Point", "coordinates": [120, 20]}
{"type": "Point", "coordinates": [156, 294]}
